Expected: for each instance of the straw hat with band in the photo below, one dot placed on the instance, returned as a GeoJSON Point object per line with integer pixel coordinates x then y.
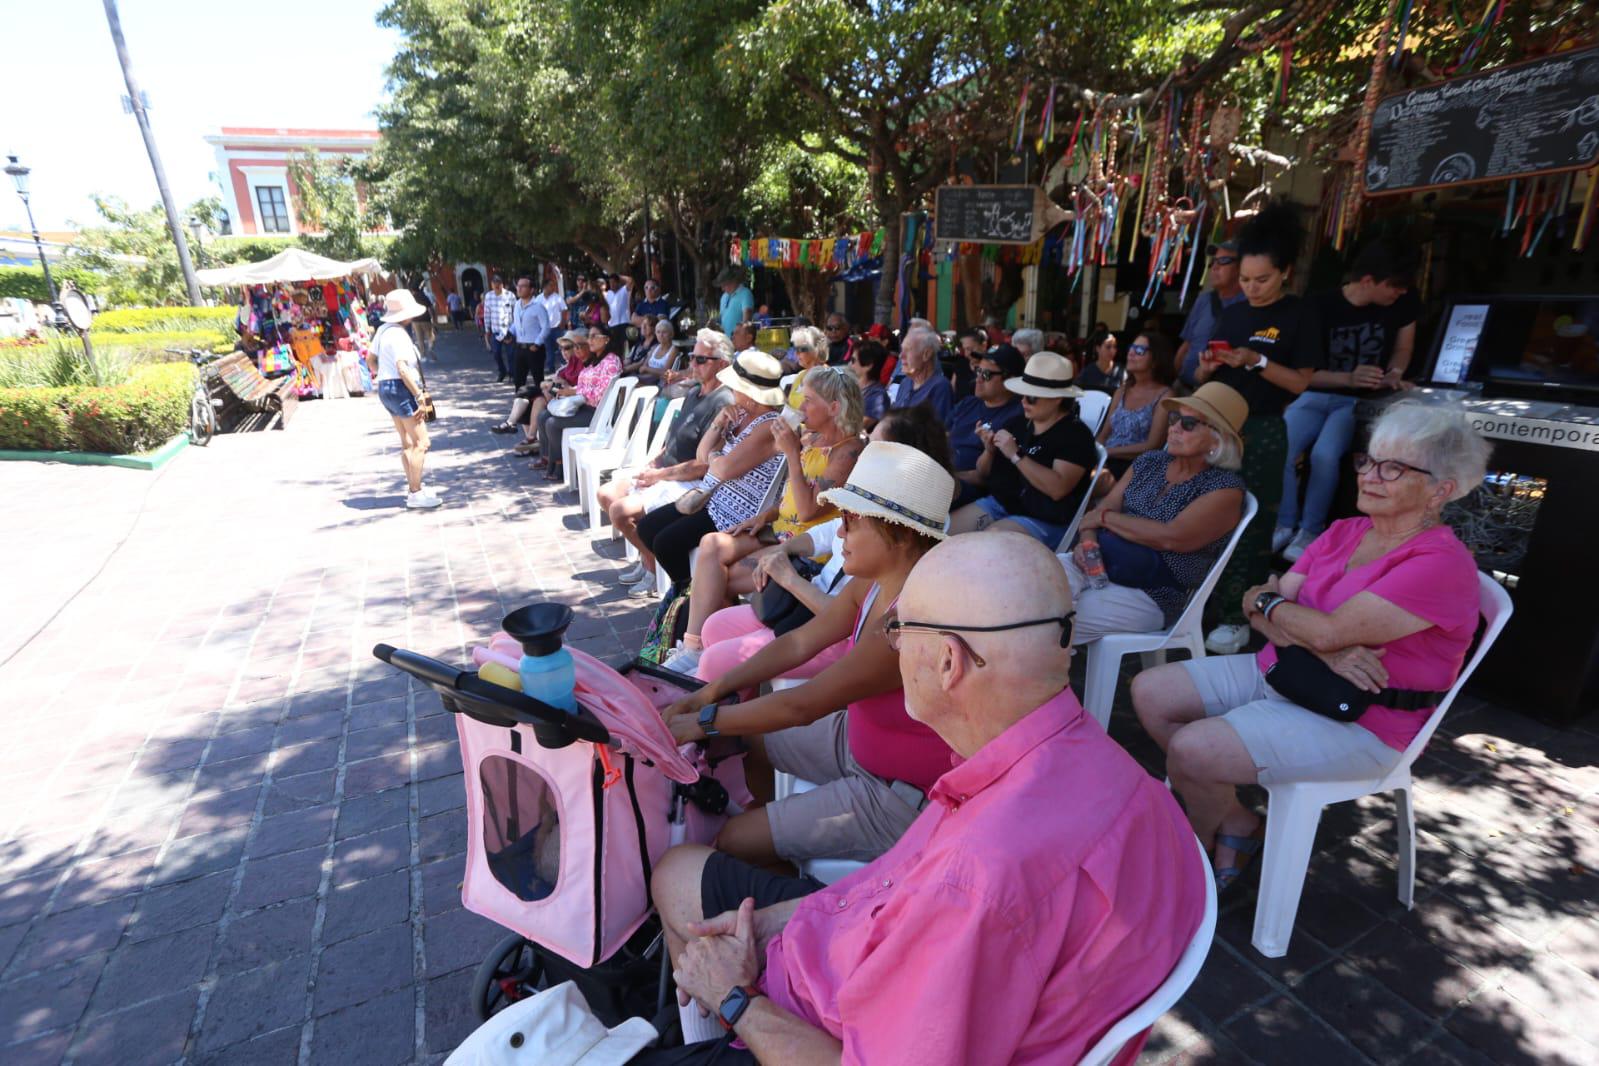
{"type": "Point", "coordinates": [1220, 405]}
{"type": "Point", "coordinates": [400, 306]}
{"type": "Point", "coordinates": [1046, 374]}
{"type": "Point", "coordinates": [896, 483]}
{"type": "Point", "coordinates": [756, 375]}
{"type": "Point", "coordinates": [576, 336]}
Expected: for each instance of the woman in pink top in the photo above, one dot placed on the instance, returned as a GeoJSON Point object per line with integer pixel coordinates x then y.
{"type": "Point", "coordinates": [873, 764]}
{"type": "Point", "coordinates": [599, 370]}
{"type": "Point", "coordinates": [1387, 602]}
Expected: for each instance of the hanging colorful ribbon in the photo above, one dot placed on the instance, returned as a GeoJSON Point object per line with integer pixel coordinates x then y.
{"type": "Point", "coordinates": [1021, 119]}
{"type": "Point", "coordinates": [1046, 122]}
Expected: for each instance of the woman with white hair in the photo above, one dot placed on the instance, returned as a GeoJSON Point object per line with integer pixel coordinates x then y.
{"type": "Point", "coordinates": [1161, 528]}
{"type": "Point", "coordinates": [1028, 341]}
{"type": "Point", "coordinates": [1366, 634]}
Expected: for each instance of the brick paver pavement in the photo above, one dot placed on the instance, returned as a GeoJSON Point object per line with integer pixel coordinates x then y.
{"type": "Point", "coordinates": [229, 835]}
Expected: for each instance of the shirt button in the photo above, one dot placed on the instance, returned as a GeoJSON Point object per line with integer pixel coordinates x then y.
{"type": "Point", "coordinates": [843, 903]}
{"type": "Point", "coordinates": [887, 882]}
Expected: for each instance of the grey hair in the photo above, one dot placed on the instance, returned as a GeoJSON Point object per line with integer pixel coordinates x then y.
{"type": "Point", "coordinates": [721, 344]}
{"type": "Point", "coordinates": [810, 336]}
{"type": "Point", "coordinates": [1033, 338]}
{"type": "Point", "coordinates": [1439, 436]}
{"type": "Point", "coordinates": [1228, 453]}
{"type": "Point", "coordinates": [924, 338]}
{"type": "Point", "coordinates": [835, 384]}
{"type": "Point", "coordinates": [667, 322]}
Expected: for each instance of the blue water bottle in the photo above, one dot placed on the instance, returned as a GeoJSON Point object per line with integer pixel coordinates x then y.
{"type": "Point", "coordinates": [546, 667]}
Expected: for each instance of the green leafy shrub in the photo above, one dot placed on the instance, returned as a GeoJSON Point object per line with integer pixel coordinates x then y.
{"type": "Point", "coordinates": [164, 319]}
{"type": "Point", "coordinates": [27, 283]}
{"type": "Point", "coordinates": [59, 362]}
{"type": "Point", "coordinates": [147, 410]}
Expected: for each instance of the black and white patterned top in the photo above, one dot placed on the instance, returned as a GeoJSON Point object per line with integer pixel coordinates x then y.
{"type": "Point", "coordinates": [739, 500]}
{"type": "Point", "coordinates": [1143, 498]}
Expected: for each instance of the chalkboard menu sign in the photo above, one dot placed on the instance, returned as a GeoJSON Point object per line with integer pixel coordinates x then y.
{"type": "Point", "coordinates": [989, 214]}
{"type": "Point", "coordinates": [1537, 117]}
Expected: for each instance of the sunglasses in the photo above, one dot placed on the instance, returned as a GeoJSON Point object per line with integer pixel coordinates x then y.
{"type": "Point", "coordinates": [987, 375]}
{"type": "Point", "coordinates": [1225, 260]}
{"type": "Point", "coordinates": [1137, 349]}
{"type": "Point", "coordinates": [701, 360]}
{"type": "Point", "coordinates": [1387, 469]}
{"type": "Point", "coordinates": [1188, 422]}
{"type": "Point", "coordinates": [894, 628]}
{"type": "Point", "coordinates": [832, 329]}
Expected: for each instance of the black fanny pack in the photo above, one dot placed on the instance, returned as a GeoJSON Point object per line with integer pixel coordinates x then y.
{"type": "Point", "coordinates": [779, 609]}
{"type": "Point", "coordinates": [1298, 675]}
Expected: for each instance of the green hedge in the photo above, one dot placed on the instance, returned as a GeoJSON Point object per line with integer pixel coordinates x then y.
{"type": "Point", "coordinates": [27, 283]}
{"type": "Point", "coordinates": [165, 319]}
{"type": "Point", "coordinates": [152, 408]}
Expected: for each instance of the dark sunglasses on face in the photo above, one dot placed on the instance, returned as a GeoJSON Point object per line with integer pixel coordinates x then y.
{"type": "Point", "coordinates": [1188, 422]}
{"type": "Point", "coordinates": [833, 328]}
{"type": "Point", "coordinates": [1137, 349]}
{"type": "Point", "coordinates": [701, 360]}
{"type": "Point", "coordinates": [987, 375]}
{"type": "Point", "coordinates": [1225, 260]}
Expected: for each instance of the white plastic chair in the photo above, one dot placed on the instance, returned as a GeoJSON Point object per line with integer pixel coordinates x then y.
{"type": "Point", "coordinates": [1088, 498]}
{"type": "Point", "coordinates": [1294, 808]}
{"type": "Point", "coordinates": [1105, 654]}
{"type": "Point", "coordinates": [600, 428]}
{"type": "Point", "coordinates": [593, 463]}
{"type": "Point", "coordinates": [663, 433]}
{"type": "Point", "coordinates": [1091, 408]}
{"type": "Point", "coordinates": [1172, 989]}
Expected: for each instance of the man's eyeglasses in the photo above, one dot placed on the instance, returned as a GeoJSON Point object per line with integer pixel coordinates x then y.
{"type": "Point", "coordinates": [987, 375]}
{"type": "Point", "coordinates": [701, 360]}
{"type": "Point", "coordinates": [894, 627]}
{"type": "Point", "coordinates": [1188, 422]}
{"type": "Point", "coordinates": [1387, 469]}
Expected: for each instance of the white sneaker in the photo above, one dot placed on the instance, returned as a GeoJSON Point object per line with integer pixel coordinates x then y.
{"type": "Point", "coordinates": [683, 661]}
{"type": "Point", "coordinates": [1227, 640]}
{"type": "Point", "coordinates": [634, 574]}
{"type": "Point", "coordinates": [1280, 538]}
{"type": "Point", "coordinates": [422, 500]}
{"type": "Point", "coordinates": [1297, 546]}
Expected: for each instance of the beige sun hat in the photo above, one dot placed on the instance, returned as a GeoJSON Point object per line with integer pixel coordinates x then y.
{"type": "Point", "coordinates": [552, 1028]}
{"type": "Point", "coordinates": [400, 305]}
{"type": "Point", "coordinates": [1223, 406]}
{"type": "Point", "coordinates": [756, 375]}
{"type": "Point", "coordinates": [576, 336]}
{"type": "Point", "coordinates": [897, 483]}
{"type": "Point", "coordinates": [1046, 374]}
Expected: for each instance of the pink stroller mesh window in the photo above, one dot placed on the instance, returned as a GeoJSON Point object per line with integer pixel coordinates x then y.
{"type": "Point", "coordinates": [521, 828]}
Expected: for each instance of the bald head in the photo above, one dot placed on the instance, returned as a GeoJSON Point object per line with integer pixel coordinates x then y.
{"type": "Point", "coordinates": [983, 579]}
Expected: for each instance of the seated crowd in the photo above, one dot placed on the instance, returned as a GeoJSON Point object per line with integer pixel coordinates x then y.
{"type": "Point", "coordinates": [923, 541]}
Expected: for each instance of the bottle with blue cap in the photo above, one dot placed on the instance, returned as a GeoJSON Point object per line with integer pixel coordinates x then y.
{"type": "Point", "coordinates": [546, 668]}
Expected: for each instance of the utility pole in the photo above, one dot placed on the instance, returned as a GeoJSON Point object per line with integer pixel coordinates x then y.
{"type": "Point", "coordinates": [139, 113]}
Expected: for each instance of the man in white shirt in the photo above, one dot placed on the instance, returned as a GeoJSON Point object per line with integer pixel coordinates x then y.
{"type": "Point", "coordinates": [498, 306]}
{"type": "Point", "coordinates": [530, 325]}
{"type": "Point", "coordinates": [619, 298]}
{"type": "Point", "coordinates": [555, 310]}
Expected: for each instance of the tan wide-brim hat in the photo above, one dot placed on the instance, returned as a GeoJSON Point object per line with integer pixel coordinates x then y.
{"type": "Point", "coordinates": [400, 305]}
{"type": "Point", "coordinates": [576, 336]}
{"type": "Point", "coordinates": [897, 483]}
{"type": "Point", "coordinates": [1046, 374]}
{"type": "Point", "coordinates": [1220, 405]}
{"type": "Point", "coordinates": [756, 375]}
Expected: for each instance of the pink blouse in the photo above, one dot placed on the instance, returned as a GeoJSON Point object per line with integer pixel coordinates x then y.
{"type": "Point", "coordinates": [592, 381]}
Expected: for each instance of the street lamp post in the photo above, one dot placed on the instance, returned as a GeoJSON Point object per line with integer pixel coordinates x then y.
{"type": "Point", "coordinates": [19, 177]}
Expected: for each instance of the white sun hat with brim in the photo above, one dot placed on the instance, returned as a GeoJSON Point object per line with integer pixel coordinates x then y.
{"type": "Point", "coordinates": [1046, 374]}
{"type": "Point", "coordinates": [400, 306]}
{"type": "Point", "coordinates": [756, 375]}
{"type": "Point", "coordinates": [552, 1028]}
{"type": "Point", "coordinates": [896, 483]}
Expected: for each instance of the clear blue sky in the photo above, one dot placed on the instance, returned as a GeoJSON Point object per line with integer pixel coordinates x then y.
{"type": "Point", "coordinates": [204, 64]}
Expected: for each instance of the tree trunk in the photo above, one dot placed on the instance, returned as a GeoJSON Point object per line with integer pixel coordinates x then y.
{"type": "Point", "coordinates": [888, 284]}
{"type": "Point", "coordinates": [807, 290]}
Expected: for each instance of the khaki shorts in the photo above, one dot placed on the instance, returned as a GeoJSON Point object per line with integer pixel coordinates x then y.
{"type": "Point", "coordinates": [851, 814]}
{"type": "Point", "coordinates": [1286, 742]}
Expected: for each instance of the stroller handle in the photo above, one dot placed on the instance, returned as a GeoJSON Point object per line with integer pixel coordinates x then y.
{"type": "Point", "coordinates": [492, 703]}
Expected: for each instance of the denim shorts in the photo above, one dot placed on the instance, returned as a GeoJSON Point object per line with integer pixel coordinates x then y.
{"type": "Point", "coordinates": [397, 399]}
{"type": "Point", "coordinates": [1047, 532]}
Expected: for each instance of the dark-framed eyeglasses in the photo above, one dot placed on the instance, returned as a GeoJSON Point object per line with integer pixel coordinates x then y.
{"type": "Point", "coordinates": [987, 375]}
{"type": "Point", "coordinates": [1187, 421]}
{"type": "Point", "coordinates": [894, 627]}
{"type": "Point", "coordinates": [1387, 469]}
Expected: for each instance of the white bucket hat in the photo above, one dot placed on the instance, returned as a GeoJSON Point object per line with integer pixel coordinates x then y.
{"type": "Point", "coordinates": [1047, 374]}
{"type": "Point", "coordinates": [756, 375]}
{"type": "Point", "coordinates": [552, 1028]}
{"type": "Point", "coordinates": [897, 483]}
{"type": "Point", "coordinates": [400, 305]}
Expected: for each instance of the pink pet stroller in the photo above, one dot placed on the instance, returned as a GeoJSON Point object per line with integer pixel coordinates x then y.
{"type": "Point", "coordinates": [567, 815]}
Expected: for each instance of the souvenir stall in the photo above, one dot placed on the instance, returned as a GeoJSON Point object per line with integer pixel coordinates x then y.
{"type": "Point", "coordinates": [304, 315]}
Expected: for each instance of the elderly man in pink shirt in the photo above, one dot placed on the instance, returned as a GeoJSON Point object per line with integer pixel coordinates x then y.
{"type": "Point", "coordinates": [1049, 886]}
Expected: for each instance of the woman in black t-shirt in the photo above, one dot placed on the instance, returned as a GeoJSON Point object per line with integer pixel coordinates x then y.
{"type": "Point", "coordinates": [1035, 468]}
{"type": "Point", "coordinates": [1267, 346]}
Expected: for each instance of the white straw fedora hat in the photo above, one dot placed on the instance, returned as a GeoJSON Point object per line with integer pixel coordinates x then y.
{"type": "Point", "coordinates": [400, 305]}
{"type": "Point", "coordinates": [897, 483]}
{"type": "Point", "coordinates": [757, 375]}
{"type": "Point", "coordinates": [1047, 374]}
{"type": "Point", "coordinates": [552, 1028]}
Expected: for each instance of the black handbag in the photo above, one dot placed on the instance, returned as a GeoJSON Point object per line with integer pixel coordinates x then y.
{"type": "Point", "coordinates": [780, 610]}
{"type": "Point", "coordinates": [1300, 676]}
